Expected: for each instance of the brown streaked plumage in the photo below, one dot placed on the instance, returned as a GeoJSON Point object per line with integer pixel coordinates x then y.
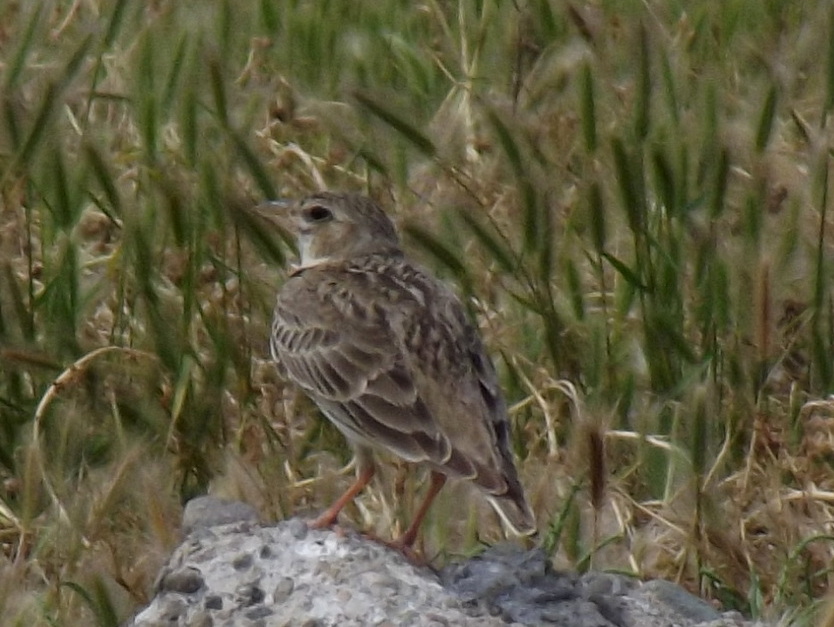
{"type": "Point", "coordinates": [387, 353]}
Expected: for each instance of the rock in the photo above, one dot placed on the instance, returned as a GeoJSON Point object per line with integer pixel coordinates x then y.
{"type": "Point", "coordinates": [209, 511]}
{"type": "Point", "coordinates": [230, 570]}
{"type": "Point", "coordinates": [683, 603]}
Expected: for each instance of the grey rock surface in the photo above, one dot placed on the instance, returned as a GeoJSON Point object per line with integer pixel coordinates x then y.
{"type": "Point", "coordinates": [230, 570]}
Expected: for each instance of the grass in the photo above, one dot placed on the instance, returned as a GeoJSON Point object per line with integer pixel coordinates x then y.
{"type": "Point", "coordinates": [633, 196]}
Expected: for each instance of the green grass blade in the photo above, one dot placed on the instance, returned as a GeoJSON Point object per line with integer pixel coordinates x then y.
{"type": "Point", "coordinates": [665, 181]}
{"type": "Point", "coordinates": [545, 18]}
{"type": "Point", "coordinates": [189, 122]}
{"type": "Point", "coordinates": [61, 206]}
{"type": "Point", "coordinates": [227, 19]}
{"type": "Point", "coordinates": [558, 524]}
{"type": "Point", "coordinates": [829, 68]}
{"type": "Point", "coordinates": [710, 134]}
{"type": "Point", "coordinates": [699, 445]}
{"type": "Point", "coordinates": [373, 162]}
{"type": "Point", "coordinates": [270, 16]}
{"type": "Point", "coordinates": [719, 189]}
{"type": "Point", "coordinates": [627, 273]}
{"type": "Point", "coordinates": [533, 219]}
{"type": "Point", "coordinates": [50, 102]}
{"type": "Point", "coordinates": [98, 601]}
{"type": "Point", "coordinates": [176, 209]}
{"type": "Point", "coordinates": [101, 172]}
{"type": "Point", "coordinates": [587, 108]}
{"type": "Point", "coordinates": [821, 337]}
{"type": "Point", "coordinates": [598, 220]}
{"type": "Point", "coordinates": [145, 96]}
{"type": "Point", "coordinates": [500, 251]}
{"type": "Point", "coordinates": [59, 304]}
{"type": "Point", "coordinates": [25, 315]}
{"type": "Point", "coordinates": [146, 271]}
{"type": "Point", "coordinates": [642, 113]}
{"type": "Point", "coordinates": [17, 63]}
{"type": "Point", "coordinates": [218, 91]}
{"type": "Point", "coordinates": [630, 190]}
{"type": "Point", "coordinates": [440, 251]}
{"type": "Point", "coordinates": [668, 76]}
{"type": "Point", "coordinates": [262, 237]}
{"type": "Point", "coordinates": [530, 202]}
{"type": "Point", "coordinates": [173, 84]}
{"type": "Point", "coordinates": [76, 61]}
{"type": "Point", "coordinates": [406, 129]}
{"type": "Point", "coordinates": [576, 289]}
{"type": "Point", "coordinates": [669, 336]}
{"type": "Point", "coordinates": [115, 23]}
{"type": "Point", "coordinates": [254, 166]}
{"type": "Point", "coordinates": [766, 119]}
{"type": "Point", "coordinates": [11, 118]}
{"type": "Point", "coordinates": [508, 144]}
{"type": "Point", "coordinates": [547, 245]}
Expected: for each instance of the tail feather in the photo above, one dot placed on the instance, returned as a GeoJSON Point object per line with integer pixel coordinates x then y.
{"type": "Point", "coordinates": [515, 513]}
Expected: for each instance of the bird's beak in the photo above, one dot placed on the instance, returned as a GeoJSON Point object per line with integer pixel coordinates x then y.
{"type": "Point", "coordinates": [276, 211]}
{"type": "Point", "coordinates": [279, 213]}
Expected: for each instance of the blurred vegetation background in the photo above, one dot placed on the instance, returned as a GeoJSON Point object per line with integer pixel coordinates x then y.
{"type": "Point", "coordinates": [632, 196]}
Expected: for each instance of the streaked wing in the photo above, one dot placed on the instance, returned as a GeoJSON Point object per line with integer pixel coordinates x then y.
{"type": "Point", "coordinates": [392, 360]}
{"type": "Point", "coordinates": [457, 379]}
{"type": "Point", "coordinates": [337, 344]}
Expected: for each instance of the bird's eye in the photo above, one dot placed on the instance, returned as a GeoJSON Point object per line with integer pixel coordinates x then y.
{"type": "Point", "coordinates": [318, 213]}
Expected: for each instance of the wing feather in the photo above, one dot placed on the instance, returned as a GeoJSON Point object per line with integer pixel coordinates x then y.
{"type": "Point", "coordinates": [352, 366]}
{"type": "Point", "coordinates": [395, 363]}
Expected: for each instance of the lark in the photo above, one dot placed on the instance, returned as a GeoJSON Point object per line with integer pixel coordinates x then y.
{"type": "Point", "coordinates": [387, 353]}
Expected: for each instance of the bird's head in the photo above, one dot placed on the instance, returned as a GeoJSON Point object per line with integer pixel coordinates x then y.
{"type": "Point", "coordinates": [331, 226]}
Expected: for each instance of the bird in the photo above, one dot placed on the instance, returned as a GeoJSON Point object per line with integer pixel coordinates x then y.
{"type": "Point", "coordinates": [388, 354]}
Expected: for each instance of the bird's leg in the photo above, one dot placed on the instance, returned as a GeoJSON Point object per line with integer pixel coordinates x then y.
{"type": "Point", "coordinates": [328, 517]}
{"type": "Point", "coordinates": [406, 540]}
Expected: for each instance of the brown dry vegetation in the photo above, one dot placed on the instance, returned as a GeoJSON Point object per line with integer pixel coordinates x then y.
{"type": "Point", "coordinates": [632, 196]}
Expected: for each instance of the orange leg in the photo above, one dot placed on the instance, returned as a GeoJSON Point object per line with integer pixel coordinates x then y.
{"type": "Point", "coordinates": [406, 540]}
{"type": "Point", "coordinates": [329, 516]}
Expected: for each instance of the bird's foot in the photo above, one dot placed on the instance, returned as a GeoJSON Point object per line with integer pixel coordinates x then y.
{"type": "Point", "coordinates": [406, 549]}
{"type": "Point", "coordinates": [325, 521]}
